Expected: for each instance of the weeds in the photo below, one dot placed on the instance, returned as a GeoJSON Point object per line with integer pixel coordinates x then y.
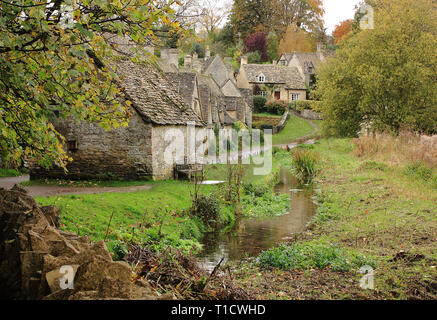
{"type": "Point", "coordinates": [306, 255]}
{"type": "Point", "coordinates": [404, 148]}
{"type": "Point", "coordinates": [305, 165]}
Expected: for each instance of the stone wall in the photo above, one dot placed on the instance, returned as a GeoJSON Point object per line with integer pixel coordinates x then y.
{"type": "Point", "coordinates": [124, 153]}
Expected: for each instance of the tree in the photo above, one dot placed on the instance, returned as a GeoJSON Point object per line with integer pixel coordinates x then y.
{"type": "Point", "coordinates": [257, 42]}
{"type": "Point", "coordinates": [296, 39]}
{"type": "Point", "coordinates": [249, 16]}
{"type": "Point", "coordinates": [342, 30]}
{"type": "Point", "coordinates": [211, 14]}
{"type": "Point", "coordinates": [305, 14]}
{"type": "Point", "coordinates": [386, 76]}
{"type": "Point", "coordinates": [51, 55]}
{"type": "Point", "coordinates": [272, 46]}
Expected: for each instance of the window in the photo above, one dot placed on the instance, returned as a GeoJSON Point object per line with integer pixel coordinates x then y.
{"type": "Point", "coordinates": [282, 62]}
{"type": "Point", "coordinates": [72, 145]}
{"type": "Point", "coordinates": [294, 96]}
{"type": "Point", "coordinates": [263, 93]}
{"type": "Point", "coordinates": [261, 78]}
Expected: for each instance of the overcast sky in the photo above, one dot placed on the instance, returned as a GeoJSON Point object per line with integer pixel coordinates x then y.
{"type": "Point", "coordinates": [337, 11]}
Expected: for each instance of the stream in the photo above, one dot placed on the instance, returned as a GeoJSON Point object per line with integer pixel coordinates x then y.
{"type": "Point", "coordinates": [254, 235]}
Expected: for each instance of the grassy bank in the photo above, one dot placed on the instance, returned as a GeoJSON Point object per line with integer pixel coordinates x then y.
{"type": "Point", "coordinates": [9, 173]}
{"type": "Point", "coordinates": [294, 129]}
{"type": "Point", "coordinates": [378, 211]}
{"type": "Point", "coordinates": [154, 217]}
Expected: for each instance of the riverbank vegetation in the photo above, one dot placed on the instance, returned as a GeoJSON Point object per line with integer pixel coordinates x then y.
{"type": "Point", "coordinates": [369, 207]}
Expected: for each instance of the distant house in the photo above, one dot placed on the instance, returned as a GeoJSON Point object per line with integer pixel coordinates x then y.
{"type": "Point", "coordinates": [137, 151]}
{"type": "Point", "coordinates": [272, 81]}
{"type": "Point", "coordinates": [221, 101]}
{"type": "Point", "coordinates": [306, 62]}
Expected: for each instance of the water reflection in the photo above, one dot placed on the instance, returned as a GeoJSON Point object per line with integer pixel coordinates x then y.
{"type": "Point", "coordinates": [255, 235]}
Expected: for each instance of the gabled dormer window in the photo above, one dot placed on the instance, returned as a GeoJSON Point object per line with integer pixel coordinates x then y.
{"type": "Point", "coordinates": [261, 78]}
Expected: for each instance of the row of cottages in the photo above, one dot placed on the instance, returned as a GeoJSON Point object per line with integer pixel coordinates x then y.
{"type": "Point", "coordinates": [210, 87]}
{"type": "Point", "coordinates": [275, 82]}
{"type": "Point", "coordinates": [136, 151]}
{"type": "Point", "coordinates": [306, 62]}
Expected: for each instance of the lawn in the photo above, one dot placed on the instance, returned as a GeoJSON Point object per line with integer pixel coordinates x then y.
{"type": "Point", "coordinates": [369, 209]}
{"type": "Point", "coordinates": [294, 129]}
{"type": "Point", "coordinates": [154, 217]}
{"type": "Point", "coordinates": [9, 173]}
{"type": "Point", "coordinates": [85, 183]}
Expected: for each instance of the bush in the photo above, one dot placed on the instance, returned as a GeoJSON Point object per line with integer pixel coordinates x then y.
{"type": "Point", "coordinates": [312, 254]}
{"type": "Point", "coordinates": [305, 165]}
{"type": "Point", "coordinates": [259, 104]}
{"type": "Point", "coordinates": [305, 104]}
{"type": "Point", "coordinates": [206, 208]}
{"type": "Point", "coordinates": [119, 250]}
{"type": "Point", "coordinates": [276, 107]}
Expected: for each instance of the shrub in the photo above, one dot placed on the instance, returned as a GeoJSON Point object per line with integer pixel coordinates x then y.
{"type": "Point", "coordinates": [305, 165]}
{"type": "Point", "coordinates": [259, 104]}
{"type": "Point", "coordinates": [305, 104]}
{"type": "Point", "coordinates": [313, 254]}
{"type": "Point", "coordinates": [119, 250]}
{"type": "Point", "coordinates": [206, 208]}
{"type": "Point", "coordinates": [276, 107]}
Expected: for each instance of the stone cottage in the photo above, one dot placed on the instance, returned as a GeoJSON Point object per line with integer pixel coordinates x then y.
{"type": "Point", "coordinates": [137, 151]}
{"type": "Point", "coordinates": [221, 101]}
{"type": "Point", "coordinates": [272, 81]}
{"type": "Point", "coordinates": [306, 62]}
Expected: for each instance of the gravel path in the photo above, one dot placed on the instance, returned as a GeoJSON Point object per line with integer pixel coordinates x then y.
{"type": "Point", "coordinates": [47, 191]}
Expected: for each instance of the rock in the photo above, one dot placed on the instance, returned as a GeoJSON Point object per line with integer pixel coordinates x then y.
{"type": "Point", "coordinates": [32, 251]}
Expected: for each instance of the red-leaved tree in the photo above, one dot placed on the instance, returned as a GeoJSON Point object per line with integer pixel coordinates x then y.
{"type": "Point", "coordinates": [257, 42]}
{"type": "Point", "coordinates": [342, 30]}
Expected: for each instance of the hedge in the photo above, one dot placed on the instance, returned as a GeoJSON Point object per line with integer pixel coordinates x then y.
{"type": "Point", "coordinates": [305, 104]}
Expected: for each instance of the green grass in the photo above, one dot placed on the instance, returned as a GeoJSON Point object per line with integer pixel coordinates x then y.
{"type": "Point", "coordinates": [9, 173]}
{"type": "Point", "coordinates": [295, 128]}
{"type": "Point", "coordinates": [153, 217]}
{"type": "Point", "coordinates": [379, 209]}
{"type": "Point", "coordinates": [265, 114]}
{"type": "Point", "coordinates": [313, 254]}
{"type": "Point", "coordinates": [85, 183]}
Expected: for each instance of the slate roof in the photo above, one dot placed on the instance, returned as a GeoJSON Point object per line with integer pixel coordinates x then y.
{"type": "Point", "coordinates": [275, 74]}
{"type": "Point", "coordinates": [184, 83]}
{"type": "Point", "coordinates": [305, 58]}
{"type": "Point", "coordinates": [152, 95]}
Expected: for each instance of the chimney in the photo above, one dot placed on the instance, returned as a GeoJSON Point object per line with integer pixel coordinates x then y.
{"type": "Point", "coordinates": [207, 53]}
{"type": "Point", "coordinates": [173, 57]}
{"type": "Point", "coordinates": [243, 60]}
{"type": "Point", "coordinates": [320, 48]}
{"type": "Point", "coordinates": [188, 61]}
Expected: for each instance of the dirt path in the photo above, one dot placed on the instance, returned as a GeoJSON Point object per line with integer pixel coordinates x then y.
{"type": "Point", "coordinates": [46, 191]}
